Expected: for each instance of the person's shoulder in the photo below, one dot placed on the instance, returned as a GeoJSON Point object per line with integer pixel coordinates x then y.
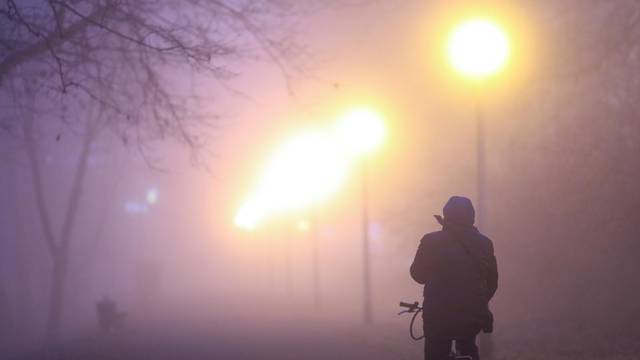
{"type": "Point", "coordinates": [485, 239]}
{"type": "Point", "coordinates": [432, 236]}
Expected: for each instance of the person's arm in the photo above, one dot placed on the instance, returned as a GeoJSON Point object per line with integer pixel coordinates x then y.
{"type": "Point", "coordinates": [420, 267]}
{"type": "Point", "coordinates": [492, 276]}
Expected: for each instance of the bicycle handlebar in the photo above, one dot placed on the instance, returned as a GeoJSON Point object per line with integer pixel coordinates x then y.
{"type": "Point", "coordinates": [415, 309]}
{"type": "Point", "coordinates": [412, 307]}
{"type": "Point", "coordinates": [404, 304]}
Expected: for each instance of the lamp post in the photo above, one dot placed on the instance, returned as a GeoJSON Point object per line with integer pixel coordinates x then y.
{"type": "Point", "coordinates": [480, 163]}
{"type": "Point", "coordinates": [316, 262]}
{"type": "Point", "coordinates": [366, 261]}
{"type": "Point", "coordinates": [478, 48]}
{"type": "Point", "coordinates": [307, 169]}
{"type": "Point", "coordinates": [310, 228]}
{"type": "Point", "coordinates": [363, 132]}
{"type": "Point", "coordinates": [288, 272]}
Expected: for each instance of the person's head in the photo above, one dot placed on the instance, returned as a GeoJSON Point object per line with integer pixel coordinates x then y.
{"type": "Point", "coordinates": [459, 211]}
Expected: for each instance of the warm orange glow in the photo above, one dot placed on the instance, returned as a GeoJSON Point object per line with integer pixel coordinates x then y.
{"type": "Point", "coordinates": [304, 171]}
{"type": "Point", "coordinates": [311, 166]}
{"type": "Point", "coordinates": [250, 215]}
{"type": "Point", "coordinates": [303, 225]}
{"type": "Point", "coordinates": [519, 26]}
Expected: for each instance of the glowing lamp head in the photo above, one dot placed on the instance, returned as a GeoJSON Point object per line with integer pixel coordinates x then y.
{"type": "Point", "coordinates": [361, 130]}
{"type": "Point", "coordinates": [478, 48]}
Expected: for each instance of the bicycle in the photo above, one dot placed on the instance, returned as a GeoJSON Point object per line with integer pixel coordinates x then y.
{"type": "Point", "coordinates": [415, 309]}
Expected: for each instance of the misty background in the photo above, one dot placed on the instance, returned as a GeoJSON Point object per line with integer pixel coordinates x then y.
{"type": "Point", "coordinates": [144, 189]}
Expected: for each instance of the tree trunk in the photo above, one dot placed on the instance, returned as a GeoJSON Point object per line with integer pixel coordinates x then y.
{"type": "Point", "coordinates": [60, 258]}
{"type": "Point", "coordinates": [23, 284]}
{"type": "Point", "coordinates": [59, 250]}
{"type": "Point", "coordinates": [56, 300]}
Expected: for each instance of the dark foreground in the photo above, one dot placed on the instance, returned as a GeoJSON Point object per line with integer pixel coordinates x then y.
{"type": "Point", "coordinates": [287, 336]}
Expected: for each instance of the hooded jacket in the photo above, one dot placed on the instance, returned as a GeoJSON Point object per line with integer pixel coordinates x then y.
{"type": "Point", "coordinates": [458, 267]}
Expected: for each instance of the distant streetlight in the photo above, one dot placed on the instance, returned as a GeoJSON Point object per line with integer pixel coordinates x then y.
{"type": "Point", "coordinates": [303, 171]}
{"type": "Point", "coordinates": [152, 196]}
{"type": "Point", "coordinates": [477, 49]}
{"type": "Point", "coordinates": [362, 131]}
{"type": "Point", "coordinates": [310, 167]}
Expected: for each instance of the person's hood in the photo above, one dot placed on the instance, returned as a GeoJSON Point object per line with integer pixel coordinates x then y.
{"type": "Point", "coordinates": [458, 211]}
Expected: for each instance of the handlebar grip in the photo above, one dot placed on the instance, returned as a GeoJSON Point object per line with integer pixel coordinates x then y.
{"type": "Point", "coordinates": [407, 305]}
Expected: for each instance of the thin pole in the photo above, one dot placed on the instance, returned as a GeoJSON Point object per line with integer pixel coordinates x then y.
{"type": "Point", "coordinates": [288, 270]}
{"type": "Point", "coordinates": [485, 340]}
{"type": "Point", "coordinates": [480, 164]}
{"type": "Point", "coordinates": [269, 239]}
{"type": "Point", "coordinates": [315, 258]}
{"type": "Point", "coordinates": [368, 318]}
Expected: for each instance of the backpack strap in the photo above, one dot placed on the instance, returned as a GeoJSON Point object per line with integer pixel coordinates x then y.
{"type": "Point", "coordinates": [483, 264]}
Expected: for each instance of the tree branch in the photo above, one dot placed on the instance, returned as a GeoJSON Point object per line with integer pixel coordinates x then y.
{"type": "Point", "coordinates": [51, 41]}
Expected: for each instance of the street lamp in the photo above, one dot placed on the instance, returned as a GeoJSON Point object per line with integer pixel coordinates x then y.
{"type": "Point", "coordinates": [478, 48]}
{"type": "Point", "coordinates": [302, 172]}
{"type": "Point", "coordinates": [310, 167]}
{"type": "Point", "coordinates": [362, 131]}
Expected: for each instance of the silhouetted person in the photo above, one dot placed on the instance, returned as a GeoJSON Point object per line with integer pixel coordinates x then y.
{"type": "Point", "coordinates": [458, 268]}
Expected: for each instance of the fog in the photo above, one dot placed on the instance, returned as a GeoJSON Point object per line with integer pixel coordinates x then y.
{"type": "Point", "coordinates": [143, 201]}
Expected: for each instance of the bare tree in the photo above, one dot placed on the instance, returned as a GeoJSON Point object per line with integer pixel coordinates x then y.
{"type": "Point", "coordinates": [130, 67]}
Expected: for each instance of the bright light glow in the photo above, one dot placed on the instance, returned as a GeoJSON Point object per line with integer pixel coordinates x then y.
{"type": "Point", "coordinates": [152, 196]}
{"type": "Point", "coordinates": [303, 171]}
{"type": "Point", "coordinates": [310, 167]}
{"type": "Point", "coordinates": [249, 216]}
{"type": "Point", "coordinates": [303, 225]}
{"type": "Point", "coordinates": [361, 131]}
{"type": "Point", "coordinates": [478, 48]}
